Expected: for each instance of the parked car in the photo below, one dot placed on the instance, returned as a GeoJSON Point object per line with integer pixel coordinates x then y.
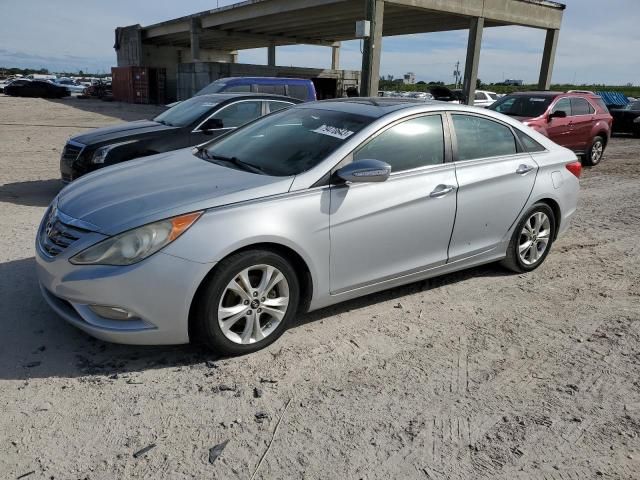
{"type": "Point", "coordinates": [484, 98]}
{"type": "Point", "coordinates": [191, 122]}
{"type": "Point", "coordinates": [313, 205]}
{"type": "Point", "coordinates": [4, 83]}
{"type": "Point", "coordinates": [35, 88]}
{"type": "Point", "coordinates": [627, 119]}
{"type": "Point", "coordinates": [70, 84]}
{"type": "Point", "coordinates": [576, 120]}
{"type": "Point", "coordinates": [299, 88]}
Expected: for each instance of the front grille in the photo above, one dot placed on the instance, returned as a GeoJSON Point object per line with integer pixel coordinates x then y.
{"type": "Point", "coordinates": [71, 151]}
{"type": "Point", "coordinates": [57, 236]}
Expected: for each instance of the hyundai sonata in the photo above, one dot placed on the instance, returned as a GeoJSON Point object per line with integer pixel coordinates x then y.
{"type": "Point", "coordinates": [228, 242]}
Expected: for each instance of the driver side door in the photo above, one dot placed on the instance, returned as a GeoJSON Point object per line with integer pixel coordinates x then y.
{"type": "Point", "coordinates": [382, 231]}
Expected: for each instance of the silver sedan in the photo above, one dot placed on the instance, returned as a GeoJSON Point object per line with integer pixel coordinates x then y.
{"type": "Point", "coordinates": [227, 243]}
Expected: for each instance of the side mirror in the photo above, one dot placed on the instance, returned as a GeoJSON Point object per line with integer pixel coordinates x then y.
{"type": "Point", "coordinates": [212, 124]}
{"type": "Point", "coordinates": [365, 171]}
{"type": "Point", "coordinates": [557, 114]}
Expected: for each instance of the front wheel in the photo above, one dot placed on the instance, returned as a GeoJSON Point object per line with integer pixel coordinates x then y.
{"type": "Point", "coordinates": [595, 153]}
{"type": "Point", "coordinates": [247, 303]}
{"type": "Point", "coordinates": [531, 240]}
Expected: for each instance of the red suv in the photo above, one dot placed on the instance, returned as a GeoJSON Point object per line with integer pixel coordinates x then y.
{"type": "Point", "coordinates": [579, 121]}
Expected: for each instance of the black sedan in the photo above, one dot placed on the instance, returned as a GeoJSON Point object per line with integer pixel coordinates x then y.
{"type": "Point", "coordinates": [627, 119]}
{"type": "Point", "coordinates": [189, 123]}
{"type": "Point", "coordinates": [35, 88]}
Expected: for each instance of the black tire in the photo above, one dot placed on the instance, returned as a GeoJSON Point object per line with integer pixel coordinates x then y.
{"type": "Point", "coordinates": [591, 159]}
{"type": "Point", "coordinates": [513, 261]}
{"type": "Point", "coordinates": [205, 327]}
{"type": "Point", "coordinates": [636, 132]}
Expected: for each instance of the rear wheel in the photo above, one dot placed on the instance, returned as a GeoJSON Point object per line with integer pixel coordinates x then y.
{"type": "Point", "coordinates": [531, 240]}
{"type": "Point", "coordinates": [247, 303]}
{"type": "Point", "coordinates": [595, 153]}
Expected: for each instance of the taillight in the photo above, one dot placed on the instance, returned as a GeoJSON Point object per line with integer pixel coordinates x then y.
{"type": "Point", "coordinates": [575, 168]}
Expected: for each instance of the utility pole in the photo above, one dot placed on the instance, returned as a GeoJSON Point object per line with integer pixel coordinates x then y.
{"type": "Point", "coordinates": [456, 74]}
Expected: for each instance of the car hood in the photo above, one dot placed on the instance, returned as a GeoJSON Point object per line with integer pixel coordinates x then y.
{"type": "Point", "coordinates": [121, 131]}
{"type": "Point", "coordinates": [134, 193]}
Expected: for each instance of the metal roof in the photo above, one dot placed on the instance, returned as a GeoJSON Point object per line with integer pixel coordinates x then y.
{"type": "Point", "coordinates": [260, 23]}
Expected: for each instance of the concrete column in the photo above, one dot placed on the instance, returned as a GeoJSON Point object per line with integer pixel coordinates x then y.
{"type": "Point", "coordinates": [335, 56]}
{"type": "Point", "coordinates": [195, 30]}
{"type": "Point", "coordinates": [473, 59]}
{"type": "Point", "coordinates": [234, 56]}
{"type": "Point", "coordinates": [372, 49]}
{"type": "Point", "coordinates": [271, 55]}
{"type": "Point", "coordinates": [548, 57]}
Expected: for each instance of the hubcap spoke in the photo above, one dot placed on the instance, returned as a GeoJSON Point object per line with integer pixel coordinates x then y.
{"type": "Point", "coordinates": [231, 321]}
{"type": "Point", "coordinates": [238, 289]}
{"type": "Point", "coordinates": [275, 313]}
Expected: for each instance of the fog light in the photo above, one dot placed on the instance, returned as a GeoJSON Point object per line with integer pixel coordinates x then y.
{"type": "Point", "coordinates": [112, 313]}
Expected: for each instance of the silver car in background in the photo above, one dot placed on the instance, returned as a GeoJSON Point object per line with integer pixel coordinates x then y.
{"type": "Point", "coordinates": [304, 208]}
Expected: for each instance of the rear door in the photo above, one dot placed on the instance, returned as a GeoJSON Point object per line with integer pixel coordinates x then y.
{"type": "Point", "coordinates": [380, 231]}
{"type": "Point", "coordinates": [583, 117]}
{"type": "Point", "coordinates": [559, 129]}
{"type": "Point", "coordinates": [495, 180]}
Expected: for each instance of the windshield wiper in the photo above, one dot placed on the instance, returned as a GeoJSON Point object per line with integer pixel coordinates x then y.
{"type": "Point", "coordinates": [233, 160]}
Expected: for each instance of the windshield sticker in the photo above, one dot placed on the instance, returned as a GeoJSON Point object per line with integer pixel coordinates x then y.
{"type": "Point", "coordinates": [341, 133]}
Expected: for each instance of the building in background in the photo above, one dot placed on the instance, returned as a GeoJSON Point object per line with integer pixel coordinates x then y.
{"type": "Point", "coordinates": [410, 78]}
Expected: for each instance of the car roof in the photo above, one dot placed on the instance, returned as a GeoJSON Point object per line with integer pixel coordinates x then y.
{"type": "Point", "coordinates": [222, 97]}
{"type": "Point", "coordinates": [375, 107]}
{"type": "Point", "coordinates": [269, 79]}
{"type": "Point", "coordinates": [545, 93]}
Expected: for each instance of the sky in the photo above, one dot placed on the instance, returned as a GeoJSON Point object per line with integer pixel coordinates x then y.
{"type": "Point", "coordinates": [599, 42]}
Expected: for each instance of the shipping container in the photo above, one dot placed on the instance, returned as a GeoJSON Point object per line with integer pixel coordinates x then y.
{"type": "Point", "coordinates": [139, 84]}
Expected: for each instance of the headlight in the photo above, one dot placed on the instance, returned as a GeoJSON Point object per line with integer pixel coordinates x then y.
{"type": "Point", "coordinates": [100, 155]}
{"type": "Point", "coordinates": [135, 245]}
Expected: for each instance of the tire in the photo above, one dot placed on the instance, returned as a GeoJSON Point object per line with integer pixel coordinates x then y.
{"type": "Point", "coordinates": [595, 153]}
{"type": "Point", "coordinates": [636, 132]}
{"type": "Point", "coordinates": [225, 299]}
{"type": "Point", "coordinates": [527, 229]}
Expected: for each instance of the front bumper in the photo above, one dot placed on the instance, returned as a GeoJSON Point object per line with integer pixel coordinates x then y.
{"type": "Point", "coordinates": [159, 291]}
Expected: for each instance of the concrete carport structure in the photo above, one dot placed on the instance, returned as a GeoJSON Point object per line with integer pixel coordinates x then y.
{"type": "Point", "coordinates": [217, 35]}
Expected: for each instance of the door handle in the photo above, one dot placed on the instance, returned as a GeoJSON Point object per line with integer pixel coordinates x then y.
{"type": "Point", "coordinates": [441, 191]}
{"type": "Point", "coordinates": [522, 169]}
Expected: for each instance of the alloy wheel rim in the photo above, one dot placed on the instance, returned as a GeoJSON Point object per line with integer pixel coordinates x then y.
{"type": "Point", "coordinates": [534, 238]}
{"type": "Point", "coordinates": [596, 152]}
{"type": "Point", "coordinates": [253, 304]}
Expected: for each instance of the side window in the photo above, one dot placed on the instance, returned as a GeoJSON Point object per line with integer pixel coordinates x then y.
{"type": "Point", "coordinates": [563, 105]}
{"type": "Point", "coordinates": [579, 106]}
{"type": "Point", "coordinates": [480, 96]}
{"type": "Point", "coordinates": [410, 144]}
{"type": "Point", "coordinates": [602, 105]}
{"type": "Point", "coordinates": [482, 138]}
{"type": "Point", "coordinates": [237, 114]}
{"type": "Point", "coordinates": [529, 144]}
{"type": "Point", "coordinates": [506, 106]}
{"type": "Point", "coordinates": [238, 89]}
{"type": "Point", "coordinates": [275, 106]}
{"type": "Point", "coordinates": [298, 91]}
{"type": "Point", "coordinates": [273, 89]}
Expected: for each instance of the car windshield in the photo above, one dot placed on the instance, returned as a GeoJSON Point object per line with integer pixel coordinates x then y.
{"type": "Point", "coordinates": [632, 106]}
{"type": "Point", "coordinates": [215, 87]}
{"type": "Point", "coordinates": [186, 112]}
{"type": "Point", "coordinates": [288, 142]}
{"type": "Point", "coordinates": [522, 105]}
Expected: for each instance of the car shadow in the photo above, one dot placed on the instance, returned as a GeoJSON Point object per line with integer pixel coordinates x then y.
{"type": "Point", "coordinates": [39, 344]}
{"type": "Point", "coordinates": [126, 112]}
{"type": "Point", "coordinates": [35, 193]}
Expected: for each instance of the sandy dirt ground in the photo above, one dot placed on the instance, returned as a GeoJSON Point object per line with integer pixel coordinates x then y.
{"type": "Point", "coordinates": [476, 375]}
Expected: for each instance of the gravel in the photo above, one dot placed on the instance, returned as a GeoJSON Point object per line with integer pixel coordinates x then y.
{"type": "Point", "coordinates": [477, 374]}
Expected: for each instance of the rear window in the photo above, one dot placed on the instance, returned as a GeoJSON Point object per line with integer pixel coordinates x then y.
{"type": "Point", "coordinates": [579, 106]}
{"type": "Point", "coordinates": [298, 91]}
{"type": "Point", "coordinates": [272, 89]}
{"type": "Point", "coordinates": [522, 105]}
{"type": "Point", "coordinates": [528, 143]}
